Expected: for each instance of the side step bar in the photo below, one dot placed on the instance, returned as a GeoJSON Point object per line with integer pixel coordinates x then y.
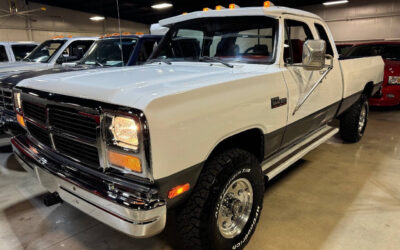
{"type": "Point", "coordinates": [275, 165]}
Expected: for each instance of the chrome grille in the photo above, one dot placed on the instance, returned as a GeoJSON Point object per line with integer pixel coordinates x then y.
{"type": "Point", "coordinates": [65, 129]}
{"type": "Point", "coordinates": [6, 99]}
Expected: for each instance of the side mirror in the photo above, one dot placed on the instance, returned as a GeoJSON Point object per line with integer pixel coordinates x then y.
{"type": "Point", "coordinates": [314, 54]}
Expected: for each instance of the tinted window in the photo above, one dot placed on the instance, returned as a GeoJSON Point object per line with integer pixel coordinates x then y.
{"type": "Point", "coordinates": [22, 50]}
{"type": "Point", "coordinates": [45, 51]}
{"type": "Point", "coordinates": [343, 48]}
{"type": "Point", "coordinates": [387, 51]}
{"type": "Point", "coordinates": [231, 39]}
{"type": "Point", "coordinates": [296, 33]}
{"type": "Point", "coordinates": [107, 52]}
{"type": "Point", "coordinates": [324, 36]}
{"type": "Point", "coordinates": [3, 54]}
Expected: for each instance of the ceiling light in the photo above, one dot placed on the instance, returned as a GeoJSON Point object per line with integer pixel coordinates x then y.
{"type": "Point", "coordinates": [97, 18]}
{"type": "Point", "coordinates": [335, 2]}
{"type": "Point", "coordinates": [161, 6]}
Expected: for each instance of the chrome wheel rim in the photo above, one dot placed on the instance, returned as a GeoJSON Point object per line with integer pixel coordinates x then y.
{"type": "Point", "coordinates": [235, 208]}
{"type": "Point", "coordinates": [362, 119]}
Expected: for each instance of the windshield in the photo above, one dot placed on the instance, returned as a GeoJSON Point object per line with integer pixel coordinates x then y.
{"type": "Point", "coordinates": [249, 39]}
{"type": "Point", "coordinates": [387, 51]}
{"type": "Point", "coordinates": [22, 50]}
{"type": "Point", "coordinates": [45, 51]}
{"type": "Point", "coordinates": [107, 52]}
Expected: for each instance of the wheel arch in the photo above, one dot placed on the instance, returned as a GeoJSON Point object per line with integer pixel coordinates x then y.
{"type": "Point", "coordinates": [251, 140]}
{"type": "Point", "coordinates": [368, 89]}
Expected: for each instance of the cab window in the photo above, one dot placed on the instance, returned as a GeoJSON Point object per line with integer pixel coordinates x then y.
{"type": "Point", "coordinates": [296, 34]}
{"type": "Point", "coordinates": [147, 48]}
{"type": "Point", "coordinates": [3, 54]}
{"type": "Point", "coordinates": [75, 51]}
{"type": "Point", "coordinates": [324, 36]}
{"type": "Point", "coordinates": [22, 50]}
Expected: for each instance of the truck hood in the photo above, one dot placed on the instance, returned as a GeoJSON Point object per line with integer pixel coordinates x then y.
{"type": "Point", "coordinates": [10, 79]}
{"type": "Point", "coordinates": [392, 67]}
{"type": "Point", "coordinates": [20, 66]}
{"type": "Point", "coordinates": [137, 86]}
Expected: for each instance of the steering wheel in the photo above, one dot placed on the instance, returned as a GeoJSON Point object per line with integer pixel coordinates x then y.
{"type": "Point", "coordinates": [246, 52]}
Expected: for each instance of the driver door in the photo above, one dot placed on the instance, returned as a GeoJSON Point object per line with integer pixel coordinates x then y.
{"type": "Point", "coordinates": [321, 105]}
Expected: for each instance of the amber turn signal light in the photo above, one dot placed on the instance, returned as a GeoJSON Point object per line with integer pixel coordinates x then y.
{"type": "Point", "coordinates": [267, 4]}
{"type": "Point", "coordinates": [21, 120]}
{"type": "Point", "coordinates": [125, 161]}
{"type": "Point", "coordinates": [178, 190]}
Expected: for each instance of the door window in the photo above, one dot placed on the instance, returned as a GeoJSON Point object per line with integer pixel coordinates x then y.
{"type": "Point", "coordinates": [3, 54]}
{"type": "Point", "coordinates": [147, 48]}
{"type": "Point", "coordinates": [296, 33]}
{"type": "Point", "coordinates": [22, 50]}
{"type": "Point", "coordinates": [324, 36]}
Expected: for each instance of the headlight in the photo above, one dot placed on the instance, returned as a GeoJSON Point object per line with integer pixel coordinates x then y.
{"type": "Point", "coordinates": [17, 101]}
{"type": "Point", "coordinates": [394, 80]}
{"type": "Point", "coordinates": [125, 132]}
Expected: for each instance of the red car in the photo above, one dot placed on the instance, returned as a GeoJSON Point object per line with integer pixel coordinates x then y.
{"type": "Point", "coordinates": [390, 52]}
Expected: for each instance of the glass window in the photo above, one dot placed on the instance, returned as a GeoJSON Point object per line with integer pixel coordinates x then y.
{"type": "Point", "coordinates": [3, 54]}
{"type": "Point", "coordinates": [22, 50]}
{"type": "Point", "coordinates": [324, 36]}
{"type": "Point", "coordinates": [296, 33]}
{"type": "Point", "coordinates": [45, 51]}
{"type": "Point", "coordinates": [387, 51]}
{"type": "Point", "coordinates": [107, 52]}
{"type": "Point", "coordinates": [75, 51]}
{"type": "Point", "coordinates": [248, 39]}
{"type": "Point", "coordinates": [147, 48]}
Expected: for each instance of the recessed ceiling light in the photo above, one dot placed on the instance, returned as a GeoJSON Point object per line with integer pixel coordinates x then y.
{"type": "Point", "coordinates": [97, 18]}
{"type": "Point", "coordinates": [161, 6]}
{"type": "Point", "coordinates": [335, 2]}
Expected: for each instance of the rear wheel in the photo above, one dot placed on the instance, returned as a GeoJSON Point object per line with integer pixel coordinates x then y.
{"type": "Point", "coordinates": [226, 203]}
{"type": "Point", "coordinates": [354, 121]}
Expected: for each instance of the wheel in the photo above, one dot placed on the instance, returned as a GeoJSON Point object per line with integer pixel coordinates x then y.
{"type": "Point", "coordinates": [354, 121]}
{"type": "Point", "coordinates": [224, 208]}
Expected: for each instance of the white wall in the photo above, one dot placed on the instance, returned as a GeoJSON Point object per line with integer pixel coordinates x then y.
{"type": "Point", "coordinates": [362, 20]}
{"type": "Point", "coordinates": [58, 21]}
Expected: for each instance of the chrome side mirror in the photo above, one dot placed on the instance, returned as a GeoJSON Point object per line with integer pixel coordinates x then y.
{"type": "Point", "coordinates": [314, 54]}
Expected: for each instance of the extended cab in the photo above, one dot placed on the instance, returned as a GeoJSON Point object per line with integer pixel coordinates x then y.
{"type": "Point", "coordinates": [105, 52]}
{"type": "Point", "coordinates": [51, 53]}
{"type": "Point", "coordinates": [15, 51]}
{"type": "Point", "coordinates": [229, 99]}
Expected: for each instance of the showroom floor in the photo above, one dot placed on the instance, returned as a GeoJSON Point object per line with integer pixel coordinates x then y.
{"type": "Point", "coordinates": [341, 196]}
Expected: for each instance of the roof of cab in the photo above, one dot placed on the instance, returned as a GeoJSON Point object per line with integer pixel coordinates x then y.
{"type": "Point", "coordinates": [75, 38]}
{"type": "Point", "coordinates": [273, 11]}
{"type": "Point", "coordinates": [134, 36]}
{"type": "Point", "coordinates": [19, 42]}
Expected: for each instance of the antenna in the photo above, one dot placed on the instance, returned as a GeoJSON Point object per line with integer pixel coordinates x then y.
{"type": "Point", "coordinates": [120, 35]}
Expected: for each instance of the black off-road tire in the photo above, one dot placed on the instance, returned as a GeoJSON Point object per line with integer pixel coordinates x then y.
{"type": "Point", "coordinates": [349, 121]}
{"type": "Point", "coordinates": [197, 221]}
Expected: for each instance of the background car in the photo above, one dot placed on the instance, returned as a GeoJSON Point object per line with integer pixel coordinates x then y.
{"type": "Point", "coordinates": [15, 51]}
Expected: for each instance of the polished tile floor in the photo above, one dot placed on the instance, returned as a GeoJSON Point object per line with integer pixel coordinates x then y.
{"type": "Point", "coordinates": [340, 196]}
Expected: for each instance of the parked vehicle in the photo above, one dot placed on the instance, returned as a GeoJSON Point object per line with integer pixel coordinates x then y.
{"type": "Point", "coordinates": [105, 52]}
{"type": "Point", "coordinates": [51, 53]}
{"type": "Point", "coordinates": [390, 52]}
{"type": "Point", "coordinates": [15, 51]}
{"type": "Point", "coordinates": [343, 48]}
{"type": "Point", "coordinates": [229, 99]}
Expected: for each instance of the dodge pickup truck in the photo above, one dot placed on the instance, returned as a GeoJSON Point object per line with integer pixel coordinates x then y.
{"type": "Point", "coordinates": [105, 52]}
{"type": "Point", "coordinates": [15, 51]}
{"type": "Point", "coordinates": [228, 100]}
{"type": "Point", "coordinates": [51, 53]}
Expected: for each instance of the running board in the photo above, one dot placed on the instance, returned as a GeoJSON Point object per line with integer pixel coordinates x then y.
{"type": "Point", "coordinates": [275, 165]}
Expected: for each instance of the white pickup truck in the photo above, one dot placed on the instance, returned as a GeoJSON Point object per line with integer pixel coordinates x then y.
{"type": "Point", "coordinates": [15, 51]}
{"type": "Point", "coordinates": [50, 54]}
{"type": "Point", "coordinates": [229, 99]}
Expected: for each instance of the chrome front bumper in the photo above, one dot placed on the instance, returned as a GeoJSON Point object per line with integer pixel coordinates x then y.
{"type": "Point", "coordinates": [136, 222]}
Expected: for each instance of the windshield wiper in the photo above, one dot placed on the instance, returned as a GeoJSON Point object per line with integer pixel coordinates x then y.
{"type": "Point", "coordinates": [213, 59]}
{"type": "Point", "coordinates": [98, 63]}
{"type": "Point", "coordinates": [159, 60]}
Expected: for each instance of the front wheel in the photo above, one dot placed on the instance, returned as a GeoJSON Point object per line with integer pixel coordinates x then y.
{"type": "Point", "coordinates": [354, 121]}
{"type": "Point", "coordinates": [225, 206]}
